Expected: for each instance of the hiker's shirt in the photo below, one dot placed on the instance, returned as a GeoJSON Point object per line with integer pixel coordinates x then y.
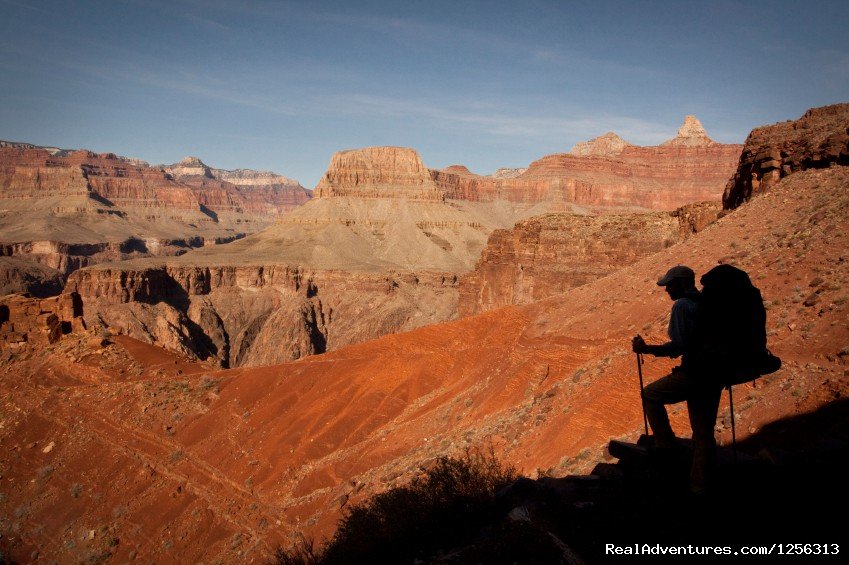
{"type": "Point", "coordinates": [682, 323]}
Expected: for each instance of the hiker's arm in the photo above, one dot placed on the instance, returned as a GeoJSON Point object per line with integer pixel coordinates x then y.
{"type": "Point", "coordinates": [678, 334]}
{"type": "Point", "coordinates": [679, 328]}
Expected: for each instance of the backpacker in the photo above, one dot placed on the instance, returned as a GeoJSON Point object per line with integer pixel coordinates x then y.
{"type": "Point", "coordinates": [731, 328]}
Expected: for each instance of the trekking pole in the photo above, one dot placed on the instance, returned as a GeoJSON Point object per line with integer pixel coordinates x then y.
{"type": "Point", "coordinates": [642, 392]}
{"type": "Point", "coordinates": [733, 429]}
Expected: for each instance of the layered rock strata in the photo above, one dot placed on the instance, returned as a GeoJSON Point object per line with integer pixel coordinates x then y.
{"type": "Point", "coordinates": [256, 192]}
{"type": "Point", "coordinates": [378, 172]}
{"type": "Point", "coordinates": [34, 322]}
{"type": "Point", "coordinates": [817, 140]}
{"type": "Point", "coordinates": [378, 251]}
{"type": "Point", "coordinates": [258, 315]}
{"type": "Point", "coordinates": [547, 255]}
{"type": "Point", "coordinates": [609, 172]}
{"type": "Point", "coordinates": [68, 209]}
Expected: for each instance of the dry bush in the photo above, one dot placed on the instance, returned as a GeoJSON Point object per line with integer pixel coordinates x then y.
{"type": "Point", "coordinates": [444, 506]}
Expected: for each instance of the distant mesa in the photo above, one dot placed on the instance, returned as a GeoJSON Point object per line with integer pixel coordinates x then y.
{"type": "Point", "coordinates": [608, 172]}
{"type": "Point", "coordinates": [378, 172]}
{"type": "Point", "coordinates": [189, 167]}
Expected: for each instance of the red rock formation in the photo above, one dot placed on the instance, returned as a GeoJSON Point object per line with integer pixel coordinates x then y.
{"type": "Point", "coordinates": [256, 192]}
{"type": "Point", "coordinates": [378, 172]}
{"type": "Point", "coordinates": [609, 172]}
{"type": "Point", "coordinates": [818, 139]}
{"type": "Point", "coordinates": [547, 255]}
{"type": "Point", "coordinates": [607, 145]}
{"type": "Point", "coordinates": [252, 315]}
{"type": "Point", "coordinates": [69, 209]}
{"type": "Point", "coordinates": [35, 322]}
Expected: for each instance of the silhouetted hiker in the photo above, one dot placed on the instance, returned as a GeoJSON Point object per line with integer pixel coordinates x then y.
{"type": "Point", "coordinates": [687, 382]}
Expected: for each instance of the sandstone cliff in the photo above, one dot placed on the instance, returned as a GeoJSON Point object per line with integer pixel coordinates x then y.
{"type": "Point", "coordinates": [608, 172]}
{"type": "Point", "coordinates": [547, 255]}
{"type": "Point", "coordinates": [607, 145]}
{"type": "Point", "coordinates": [378, 172]}
{"type": "Point", "coordinates": [258, 315]}
{"type": "Point", "coordinates": [68, 209]}
{"type": "Point", "coordinates": [257, 192]}
{"type": "Point", "coordinates": [818, 139]}
{"type": "Point", "coordinates": [691, 134]}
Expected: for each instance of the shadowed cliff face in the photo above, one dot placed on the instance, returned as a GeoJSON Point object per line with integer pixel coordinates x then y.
{"type": "Point", "coordinates": [258, 315]}
{"type": "Point", "coordinates": [817, 140]}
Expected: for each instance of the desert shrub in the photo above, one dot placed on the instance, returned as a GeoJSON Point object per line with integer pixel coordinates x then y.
{"type": "Point", "coordinates": [442, 507]}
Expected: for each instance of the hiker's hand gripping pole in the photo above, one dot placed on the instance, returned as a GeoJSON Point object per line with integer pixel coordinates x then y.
{"type": "Point", "coordinates": [639, 346]}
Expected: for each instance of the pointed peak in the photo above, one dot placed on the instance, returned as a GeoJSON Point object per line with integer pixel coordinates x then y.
{"type": "Point", "coordinates": [607, 145]}
{"type": "Point", "coordinates": [191, 161]}
{"type": "Point", "coordinates": [690, 134]}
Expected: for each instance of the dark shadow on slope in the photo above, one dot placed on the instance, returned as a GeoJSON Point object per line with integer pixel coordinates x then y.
{"type": "Point", "coordinates": [786, 487]}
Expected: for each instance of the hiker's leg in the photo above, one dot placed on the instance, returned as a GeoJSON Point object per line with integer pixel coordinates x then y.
{"type": "Point", "coordinates": [702, 407]}
{"type": "Point", "coordinates": [670, 389]}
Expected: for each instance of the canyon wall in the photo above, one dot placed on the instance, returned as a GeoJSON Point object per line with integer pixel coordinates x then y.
{"type": "Point", "coordinates": [256, 192]}
{"type": "Point", "coordinates": [69, 209]}
{"type": "Point", "coordinates": [381, 248]}
{"type": "Point", "coordinates": [18, 275]}
{"type": "Point", "coordinates": [817, 140]}
{"type": "Point", "coordinates": [547, 255]}
{"type": "Point", "coordinates": [259, 315]}
{"type": "Point", "coordinates": [610, 172]}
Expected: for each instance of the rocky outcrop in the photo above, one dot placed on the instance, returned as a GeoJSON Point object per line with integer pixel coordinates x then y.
{"type": "Point", "coordinates": [690, 134]}
{"type": "Point", "coordinates": [378, 172]}
{"type": "Point", "coordinates": [607, 145]}
{"type": "Point", "coordinates": [34, 322]}
{"type": "Point", "coordinates": [817, 140]}
{"type": "Point", "coordinates": [608, 172]}
{"type": "Point", "coordinates": [547, 255]}
{"type": "Point", "coordinates": [256, 315]}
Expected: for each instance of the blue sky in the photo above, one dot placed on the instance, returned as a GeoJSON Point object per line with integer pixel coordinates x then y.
{"type": "Point", "coordinates": [283, 85]}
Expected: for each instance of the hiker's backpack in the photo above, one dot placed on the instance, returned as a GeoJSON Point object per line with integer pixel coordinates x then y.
{"type": "Point", "coordinates": [731, 328]}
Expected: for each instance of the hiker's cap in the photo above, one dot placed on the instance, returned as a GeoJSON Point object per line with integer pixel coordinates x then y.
{"type": "Point", "coordinates": [676, 272]}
